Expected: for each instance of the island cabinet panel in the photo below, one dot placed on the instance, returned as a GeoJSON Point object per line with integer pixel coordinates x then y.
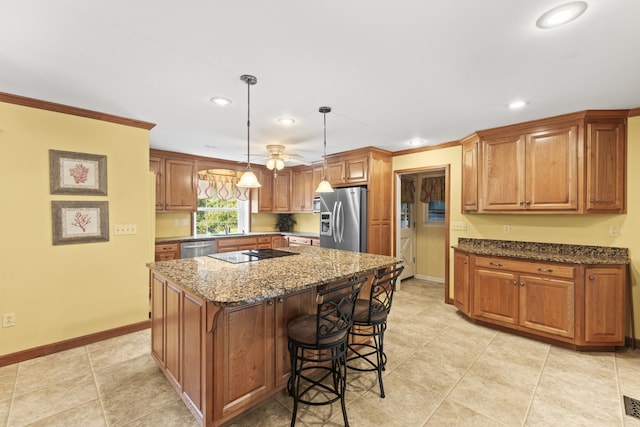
{"type": "Point", "coordinates": [192, 347]}
{"type": "Point", "coordinates": [157, 317]}
{"type": "Point", "coordinates": [604, 301]}
{"type": "Point", "coordinates": [172, 332]}
{"type": "Point", "coordinates": [286, 309]}
{"type": "Point", "coordinates": [245, 355]}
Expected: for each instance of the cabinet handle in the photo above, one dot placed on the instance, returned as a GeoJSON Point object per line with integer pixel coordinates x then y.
{"type": "Point", "coordinates": [497, 264]}
{"type": "Point", "coordinates": [592, 200]}
{"type": "Point", "coordinates": [521, 203]}
{"type": "Point", "coordinates": [545, 270]}
{"type": "Point", "coordinates": [528, 202]}
{"type": "Point", "coordinates": [515, 283]}
{"type": "Point", "coordinates": [280, 300]}
{"type": "Point", "coordinates": [592, 278]}
{"type": "Point", "coordinates": [465, 263]}
{"type": "Point", "coordinates": [522, 283]}
{"type": "Point", "coordinates": [270, 302]}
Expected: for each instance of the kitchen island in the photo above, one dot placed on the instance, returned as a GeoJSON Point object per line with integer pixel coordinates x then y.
{"type": "Point", "coordinates": [219, 329]}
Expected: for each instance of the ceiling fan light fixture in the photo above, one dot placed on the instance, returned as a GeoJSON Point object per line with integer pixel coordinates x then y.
{"type": "Point", "coordinates": [562, 14]}
{"type": "Point", "coordinates": [324, 186]}
{"type": "Point", "coordinates": [248, 178]}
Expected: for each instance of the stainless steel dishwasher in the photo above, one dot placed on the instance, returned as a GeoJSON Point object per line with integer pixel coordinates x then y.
{"type": "Point", "coordinates": [194, 249]}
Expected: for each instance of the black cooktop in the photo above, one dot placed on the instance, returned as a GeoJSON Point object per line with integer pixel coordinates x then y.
{"type": "Point", "coordinates": [251, 255]}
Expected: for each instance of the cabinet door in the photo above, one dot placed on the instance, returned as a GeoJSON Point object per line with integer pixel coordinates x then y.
{"type": "Point", "coordinates": [495, 296]}
{"type": "Point", "coordinates": [470, 176]}
{"type": "Point", "coordinates": [282, 192]}
{"type": "Point", "coordinates": [461, 281]}
{"type": "Point", "coordinates": [264, 194]}
{"type": "Point", "coordinates": [547, 305]}
{"type": "Point", "coordinates": [156, 165]}
{"type": "Point", "coordinates": [180, 185]}
{"type": "Point", "coordinates": [552, 169]}
{"type": "Point", "coordinates": [503, 174]}
{"type": "Point", "coordinates": [193, 319]}
{"type": "Point", "coordinates": [245, 356]}
{"type": "Point", "coordinates": [604, 307]}
{"type": "Point", "coordinates": [317, 175]}
{"type": "Point", "coordinates": [336, 173]}
{"type": "Point", "coordinates": [302, 191]}
{"type": "Point", "coordinates": [287, 309]}
{"type": "Point", "coordinates": [357, 170]}
{"type": "Point", "coordinates": [606, 167]}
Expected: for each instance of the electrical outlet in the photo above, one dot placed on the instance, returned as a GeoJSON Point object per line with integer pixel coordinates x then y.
{"type": "Point", "coordinates": [121, 229]}
{"type": "Point", "coordinates": [185, 222]}
{"type": "Point", "coordinates": [458, 225]}
{"type": "Point", "coordinates": [614, 231]}
{"type": "Point", "coordinates": [506, 229]}
{"type": "Point", "coordinates": [175, 222]}
{"type": "Point", "coordinates": [8, 320]}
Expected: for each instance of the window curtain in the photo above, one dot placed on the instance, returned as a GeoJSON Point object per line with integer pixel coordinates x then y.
{"type": "Point", "coordinates": [432, 189]}
{"type": "Point", "coordinates": [220, 187]}
{"type": "Point", "coordinates": [407, 191]}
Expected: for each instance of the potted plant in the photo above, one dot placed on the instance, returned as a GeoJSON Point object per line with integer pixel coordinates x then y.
{"type": "Point", "coordinates": [285, 222]}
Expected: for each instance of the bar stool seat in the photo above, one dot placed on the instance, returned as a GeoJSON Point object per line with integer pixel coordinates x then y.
{"type": "Point", "coordinates": [370, 321]}
{"type": "Point", "coordinates": [318, 346]}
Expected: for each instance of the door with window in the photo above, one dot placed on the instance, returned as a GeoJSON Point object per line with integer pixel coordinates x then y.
{"type": "Point", "coordinates": [408, 226]}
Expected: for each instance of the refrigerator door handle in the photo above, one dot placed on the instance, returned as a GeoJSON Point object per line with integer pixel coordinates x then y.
{"type": "Point", "coordinates": [340, 222]}
{"type": "Point", "coordinates": [334, 220]}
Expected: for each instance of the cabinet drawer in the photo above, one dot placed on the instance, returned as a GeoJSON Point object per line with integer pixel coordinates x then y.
{"type": "Point", "coordinates": [241, 243]}
{"type": "Point", "coordinates": [528, 267]}
{"type": "Point", "coordinates": [264, 239]}
{"type": "Point", "coordinates": [293, 240]}
{"type": "Point", "coordinates": [167, 247]}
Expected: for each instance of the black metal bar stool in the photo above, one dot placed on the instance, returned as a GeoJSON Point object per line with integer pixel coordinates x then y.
{"type": "Point", "coordinates": [318, 348]}
{"type": "Point", "coordinates": [370, 321]}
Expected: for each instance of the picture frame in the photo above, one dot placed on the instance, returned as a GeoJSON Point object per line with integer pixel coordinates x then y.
{"type": "Point", "coordinates": [77, 173]}
{"type": "Point", "coordinates": [79, 222]}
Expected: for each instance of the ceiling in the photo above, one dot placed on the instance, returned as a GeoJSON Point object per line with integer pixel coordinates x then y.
{"type": "Point", "coordinates": [391, 71]}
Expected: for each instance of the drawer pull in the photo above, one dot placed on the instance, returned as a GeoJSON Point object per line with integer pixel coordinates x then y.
{"type": "Point", "coordinates": [270, 302]}
{"type": "Point", "coordinates": [280, 300]}
{"type": "Point", "coordinates": [545, 270]}
{"type": "Point", "coordinates": [497, 264]}
{"type": "Point", "coordinates": [522, 283]}
{"type": "Point", "coordinates": [592, 278]}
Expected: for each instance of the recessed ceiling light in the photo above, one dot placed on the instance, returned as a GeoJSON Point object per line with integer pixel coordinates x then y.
{"type": "Point", "coordinates": [517, 104]}
{"type": "Point", "coordinates": [416, 141]}
{"type": "Point", "coordinates": [561, 14]}
{"type": "Point", "coordinates": [210, 146]}
{"type": "Point", "coordinates": [285, 121]}
{"type": "Point", "coordinates": [218, 100]}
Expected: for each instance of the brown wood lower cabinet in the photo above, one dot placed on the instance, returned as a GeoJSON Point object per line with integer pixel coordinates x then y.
{"type": "Point", "coordinates": [223, 360]}
{"type": "Point", "coordinates": [574, 304]}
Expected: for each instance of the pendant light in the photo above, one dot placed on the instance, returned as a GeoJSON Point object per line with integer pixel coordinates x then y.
{"type": "Point", "coordinates": [248, 178]}
{"type": "Point", "coordinates": [324, 186]}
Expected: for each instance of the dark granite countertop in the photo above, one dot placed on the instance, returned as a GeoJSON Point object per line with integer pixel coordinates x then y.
{"type": "Point", "coordinates": [224, 283]}
{"type": "Point", "coordinates": [555, 252]}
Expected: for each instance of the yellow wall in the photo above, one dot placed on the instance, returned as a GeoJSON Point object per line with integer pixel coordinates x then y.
{"type": "Point", "coordinates": [66, 291]}
{"type": "Point", "coordinates": [430, 250]}
{"type": "Point", "coordinates": [263, 222]}
{"type": "Point", "coordinates": [307, 223]}
{"type": "Point", "coordinates": [568, 229]}
{"type": "Point", "coordinates": [172, 224]}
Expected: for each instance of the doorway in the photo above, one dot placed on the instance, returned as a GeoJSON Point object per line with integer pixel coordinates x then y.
{"type": "Point", "coordinates": [422, 223]}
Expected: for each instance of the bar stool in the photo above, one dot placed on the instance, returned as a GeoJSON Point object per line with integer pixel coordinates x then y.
{"type": "Point", "coordinates": [370, 321]}
{"type": "Point", "coordinates": [318, 347]}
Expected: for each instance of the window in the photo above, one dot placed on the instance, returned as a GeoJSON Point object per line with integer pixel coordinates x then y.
{"type": "Point", "coordinates": [213, 215]}
{"type": "Point", "coordinates": [436, 211]}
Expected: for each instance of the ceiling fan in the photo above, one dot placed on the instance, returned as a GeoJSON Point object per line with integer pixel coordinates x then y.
{"type": "Point", "coordinates": [276, 158]}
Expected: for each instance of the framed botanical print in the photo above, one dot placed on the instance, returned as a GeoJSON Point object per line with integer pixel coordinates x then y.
{"type": "Point", "coordinates": [77, 173]}
{"type": "Point", "coordinates": [79, 222]}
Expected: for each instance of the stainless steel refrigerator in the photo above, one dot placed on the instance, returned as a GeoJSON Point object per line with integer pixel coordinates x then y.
{"type": "Point", "coordinates": [343, 219]}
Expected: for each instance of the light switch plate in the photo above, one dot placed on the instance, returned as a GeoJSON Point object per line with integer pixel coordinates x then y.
{"type": "Point", "coordinates": [458, 225]}
{"type": "Point", "coordinates": [122, 229]}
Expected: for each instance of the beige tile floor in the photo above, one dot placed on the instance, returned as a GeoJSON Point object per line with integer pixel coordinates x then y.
{"type": "Point", "coordinates": [442, 371]}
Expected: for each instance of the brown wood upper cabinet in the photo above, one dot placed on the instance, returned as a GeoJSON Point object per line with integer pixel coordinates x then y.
{"type": "Point", "coordinates": [348, 170]}
{"type": "Point", "coordinates": [175, 183]}
{"type": "Point", "coordinates": [573, 163]}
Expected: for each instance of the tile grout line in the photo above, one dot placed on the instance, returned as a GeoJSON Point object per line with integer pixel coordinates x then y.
{"type": "Point", "coordinates": [95, 383]}
{"type": "Point", "coordinates": [533, 395]}
{"type": "Point", "coordinates": [13, 395]}
{"type": "Point", "coordinates": [620, 395]}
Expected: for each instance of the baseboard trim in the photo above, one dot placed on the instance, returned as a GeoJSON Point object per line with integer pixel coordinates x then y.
{"type": "Point", "coordinates": [430, 278]}
{"type": "Point", "coordinates": [55, 347]}
{"type": "Point", "coordinates": [632, 342]}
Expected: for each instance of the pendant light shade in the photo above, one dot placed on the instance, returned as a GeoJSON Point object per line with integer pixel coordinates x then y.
{"type": "Point", "coordinates": [248, 178]}
{"type": "Point", "coordinates": [324, 186]}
